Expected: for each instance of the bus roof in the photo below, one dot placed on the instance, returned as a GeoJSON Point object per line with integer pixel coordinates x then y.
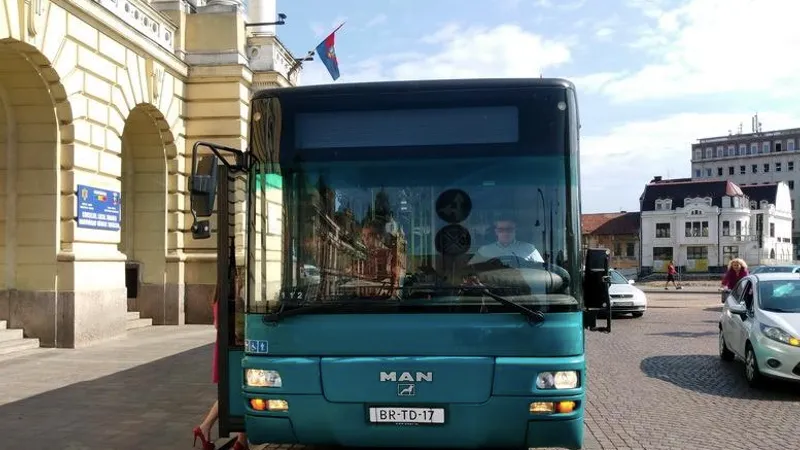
{"type": "Point", "coordinates": [415, 85]}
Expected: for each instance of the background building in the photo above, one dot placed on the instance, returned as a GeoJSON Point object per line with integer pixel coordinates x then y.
{"type": "Point", "coordinates": [702, 225]}
{"type": "Point", "coordinates": [100, 105]}
{"type": "Point", "coordinates": [753, 158]}
{"type": "Point", "coordinates": [617, 232]}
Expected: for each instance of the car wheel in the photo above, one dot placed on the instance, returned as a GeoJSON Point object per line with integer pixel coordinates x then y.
{"type": "Point", "coordinates": [724, 353]}
{"type": "Point", "coordinates": [751, 370]}
{"type": "Point", "coordinates": [637, 314]}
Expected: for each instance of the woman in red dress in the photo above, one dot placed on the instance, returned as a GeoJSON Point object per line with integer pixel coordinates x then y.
{"type": "Point", "coordinates": [203, 431]}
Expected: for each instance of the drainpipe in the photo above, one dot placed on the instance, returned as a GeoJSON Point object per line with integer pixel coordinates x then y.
{"type": "Point", "coordinates": [719, 233]}
{"type": "Point", "coordinates": [641, 234]}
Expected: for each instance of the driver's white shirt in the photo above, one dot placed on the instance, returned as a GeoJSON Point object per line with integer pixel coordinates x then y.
{"type": "Point", "coordinates": [522, 250]}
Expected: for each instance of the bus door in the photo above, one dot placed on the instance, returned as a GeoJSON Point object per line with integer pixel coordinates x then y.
{"type": "Point", "coordinates": [213, 176]}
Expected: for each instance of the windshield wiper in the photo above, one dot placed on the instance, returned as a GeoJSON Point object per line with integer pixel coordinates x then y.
{"type": "Point", "coordinates": [532, 315]}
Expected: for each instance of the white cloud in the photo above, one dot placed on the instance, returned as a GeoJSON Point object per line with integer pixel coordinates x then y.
{"type": "Point", "coordinates": [712, 47]}
{"type": "Point", "coordinates": [503, 51]}
{"type": "Point", "coordinates": [604, 33]}
{"type": "Point", "coordinates": [321, 30]}
{"type": "Point", "coordinates": [561, 4]}
{"type": "Point", "coordinates": [377, 20]}
{"type": "Point", "coordinates": [617, 164]}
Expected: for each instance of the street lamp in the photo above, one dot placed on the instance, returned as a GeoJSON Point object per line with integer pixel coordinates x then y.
{"type": "Point", "coordinates": [281, 21]}
{"type": "Point", "coordinates": [299, 62]}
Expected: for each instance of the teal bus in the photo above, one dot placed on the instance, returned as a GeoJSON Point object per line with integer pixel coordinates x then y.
{"type": "Point", "coordinates": [411, 265]}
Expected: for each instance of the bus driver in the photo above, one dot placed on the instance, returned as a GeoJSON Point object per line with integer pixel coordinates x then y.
{"type": "Point", "coordinates": [507, 245]}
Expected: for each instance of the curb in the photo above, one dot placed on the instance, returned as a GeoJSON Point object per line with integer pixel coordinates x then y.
{"type": "Point", "coordinates": [682, 291]}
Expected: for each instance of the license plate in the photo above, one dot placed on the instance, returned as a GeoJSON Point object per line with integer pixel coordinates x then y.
{"type": "Point", "coordinates": [406, 415]}
{"type": "Point", "coordinates": [623, 304]}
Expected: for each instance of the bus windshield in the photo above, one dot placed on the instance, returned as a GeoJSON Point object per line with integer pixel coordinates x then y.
{"type": "Point", "coordinates": [431, 230]}
{"type": "Point", "coordinates": [430, 206]}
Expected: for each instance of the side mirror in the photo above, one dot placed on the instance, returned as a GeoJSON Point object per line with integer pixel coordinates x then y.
{"type": "Point", "coordinates": [737, 308]}
{"type": "Point", "coordinates": [748, 302]}
{"type": "Point", "coordinates": [203, 186]}
{"type": "Point", "coordinates": [596, 282]}
{"type": "Point", "coordinates": [203, 189]}
{"type": "Point", "coordinates": [631, 281]}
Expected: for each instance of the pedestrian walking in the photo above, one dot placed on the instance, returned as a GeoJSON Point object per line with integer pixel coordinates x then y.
{"type": "Point", "coordinates": [671, 273]}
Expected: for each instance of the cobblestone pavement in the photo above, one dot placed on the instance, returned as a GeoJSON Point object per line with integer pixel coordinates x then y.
{"type": "Point", "coordinates": [655, 383]}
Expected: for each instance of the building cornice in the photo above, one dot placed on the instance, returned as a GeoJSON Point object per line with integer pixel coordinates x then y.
{"type": "Point", "coordinates": [108, 22]}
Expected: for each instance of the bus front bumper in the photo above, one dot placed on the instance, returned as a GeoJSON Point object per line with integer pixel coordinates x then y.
{"type": "Point", "coordinates": [498, 422]}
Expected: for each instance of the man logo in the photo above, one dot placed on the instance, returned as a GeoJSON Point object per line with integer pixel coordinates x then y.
{"type": "Point", "coordinates": [406, 390]}
{"type": "Point", "coordinates": [418, 377]}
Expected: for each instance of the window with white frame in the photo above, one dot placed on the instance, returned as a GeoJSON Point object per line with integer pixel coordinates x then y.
{"type": "Point", "coordinates": [729, 252]}
{"type": "Point", "coordinates": [753, 149]}
{"type": "Point", "coordinates": [698, 154]}
{"type": "Point", "coordinates": [662, 230]}
{"type": "Point", "coordinates": [709, 153]}
{"type": "Point", "coordinates": [696, 252]}
{"type": "Point", "coordinates": [720, 151]}
{"type": "Point", "coordinates": [742, 150]}
{"type": "Point", "coordinates": [765, 147]}
{"type": "Point", "coordinates": [696, 229]}
{"type": "Point", "coordinates": [790, 145]}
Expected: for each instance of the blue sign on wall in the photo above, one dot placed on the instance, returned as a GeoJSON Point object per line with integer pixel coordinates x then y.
{"type": "Point", "coordinates": [99, 209]}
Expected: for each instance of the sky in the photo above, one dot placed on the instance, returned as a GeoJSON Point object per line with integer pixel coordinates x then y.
{"type": "Point", "coordinates": [652, 76]}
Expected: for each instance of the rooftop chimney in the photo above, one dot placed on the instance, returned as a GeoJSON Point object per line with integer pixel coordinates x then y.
{"type": "Point", "coordinates": [656, 178]}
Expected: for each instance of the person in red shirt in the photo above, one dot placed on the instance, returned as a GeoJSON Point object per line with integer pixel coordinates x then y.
{"type": "Point", "coordinates": [671, 272]}
{"type": "Point", "coordinates": [737, 269]}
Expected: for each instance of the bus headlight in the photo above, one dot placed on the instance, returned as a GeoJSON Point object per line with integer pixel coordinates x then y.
{"type": "Point", "coordinates": [263, 378]}
{"type": "Point", "coordinates": [557, 380]}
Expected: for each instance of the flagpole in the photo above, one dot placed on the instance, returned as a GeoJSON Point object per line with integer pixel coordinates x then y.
{"type": "Point", "coordinates": [299, 62]}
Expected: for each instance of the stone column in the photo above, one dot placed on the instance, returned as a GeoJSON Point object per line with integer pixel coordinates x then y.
{"type": "Point", "coordinates": [218, 85]}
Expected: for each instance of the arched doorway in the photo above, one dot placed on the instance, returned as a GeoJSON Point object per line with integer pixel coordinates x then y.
{"type": "Point", "coordinates": [143, 237]}
{"type": "Point", "coordinates": [34, 114]}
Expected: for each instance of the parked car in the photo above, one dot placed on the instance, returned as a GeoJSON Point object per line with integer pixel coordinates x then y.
{"type": "Point", "coordinates": [760, 325]}
{"type": "Point", "coordinates": [788, 268]}
{"type": "Point", "coordinates": [625, 297]}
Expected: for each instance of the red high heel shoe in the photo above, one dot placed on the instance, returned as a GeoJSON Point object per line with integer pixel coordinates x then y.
{"type": "Point", "coordinates": [239, 446]}
{"type": "Point", "coordinates": [198, 433]}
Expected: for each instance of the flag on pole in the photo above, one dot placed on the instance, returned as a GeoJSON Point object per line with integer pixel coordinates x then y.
{"type": "Point", "coordinates": [327, 53]}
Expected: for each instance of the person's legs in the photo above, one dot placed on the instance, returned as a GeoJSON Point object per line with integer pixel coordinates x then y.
{"type": "Point", "coordinates": [241, 442]}
{"type": "Point", "coordinates": [209, 421]}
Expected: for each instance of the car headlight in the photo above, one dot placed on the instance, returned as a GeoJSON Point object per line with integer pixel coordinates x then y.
{"type": "Point", "coordinates": [557, 380]}
{"type": "Point", "coordinates": [263, 378]}
{"type": "Point", "coordinates": [777, 334]}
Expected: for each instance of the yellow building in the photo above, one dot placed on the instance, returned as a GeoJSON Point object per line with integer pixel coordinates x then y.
{"type": "Point", "coordinates": [100, 104]}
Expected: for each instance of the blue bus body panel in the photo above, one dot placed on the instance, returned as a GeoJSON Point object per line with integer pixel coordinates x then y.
{"type": "Point", "coordinates": [446, 334]}
{"type": "Point", "coordinates": [480, 368]}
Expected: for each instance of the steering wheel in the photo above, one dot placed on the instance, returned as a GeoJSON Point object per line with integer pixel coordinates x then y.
{"type": "Point", "coordinates": [522, 273]}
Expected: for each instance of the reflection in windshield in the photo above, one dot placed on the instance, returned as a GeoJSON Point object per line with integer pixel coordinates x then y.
{"type": "Point", "coordinates": [427, 232]}
{"type": "Point", "coordinates": [773, 269]}
{"type": "Point", "coordinates": [780, 296]}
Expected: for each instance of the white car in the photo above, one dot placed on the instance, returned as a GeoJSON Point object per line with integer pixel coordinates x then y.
{"type": "Point", "coordinates": [625, 297]}
{"type": "Point", "coordinates": [760, 325]}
